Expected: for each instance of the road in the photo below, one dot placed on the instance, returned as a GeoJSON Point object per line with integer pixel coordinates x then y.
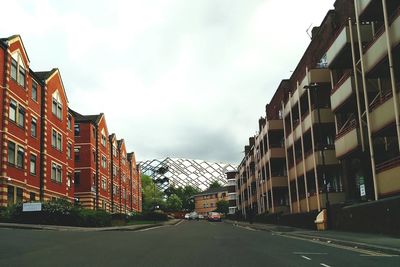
{"type": "Point", "coordinates": [193, 243]}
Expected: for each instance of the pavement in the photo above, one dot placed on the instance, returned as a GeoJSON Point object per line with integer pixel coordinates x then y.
{"type": "Point", "coordinates": [87, 229]}
{"type": "Point", "coordinates": [189, 243]}
{"type": "Point", "coordinates": [375, 242]}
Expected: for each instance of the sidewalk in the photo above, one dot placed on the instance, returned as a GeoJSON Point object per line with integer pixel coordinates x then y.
{"type": "Point", "coordinates": [87, 229]}
{"type": "Point", "coordinates": [373, 242]}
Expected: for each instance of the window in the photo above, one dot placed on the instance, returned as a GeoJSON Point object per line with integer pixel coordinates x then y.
{"type": "Point", "coordinates": [123, 193]}
{"type": "Point", "coordinates": [69, 151]}
{"type": "Point", "coordinates": [21, 76]}
{"type": "Point", "coordinates": [212, 205]}
{"type": "Point", "coordinates": [33, 127]}
{"type": "Point", "coordinates": [33, 165]}
{"type": "Point", "coordinates": [77, 130]}
{"type": "Point", "coordinates": [12, 113]}
{"type": "Point", "coordinates": [16, 154]}
{"type": "Point", "coordinates": [20, 194]}
{"type": "Point", "coordinates": [69, 122]}
{"type": "Point", "coordinates": [10, 195]}
{"type": "Point", "coordinates": [18, 72]}
{"type": "Point", "coordinates": [114, 150]}
{"type": "Point", "coordinates": [77, 178]}
{"type": "Point", "coordinates": [56, 140]}
{"type": "Point", "coordinates": [115, 170]}
{"type": "Point", "coordinates": [32, 196]}
{"type": "Point", "coordinates": [69, 180]}
{"type": "Point", "coordinates": [16, 113]}
{"type": "Point", "coordinates": [56, 173]}
{"type": "Point", "coordinates": [34, 91]}
{"type": "Point", "coordinates": [14, 67]}
{"type": "Point", "coordinates": [56, 108]}
{"type": "Point", "coordinates": [103, 162]}
{"type": "Point", "coordinates": [104, 184]}
{"type": "Point", "coordinates": [103, 140]}
{"type": "Point", "coordinates": [77, 153]}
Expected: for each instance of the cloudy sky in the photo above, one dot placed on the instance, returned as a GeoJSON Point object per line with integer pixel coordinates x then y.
{"type": "Point", "coordinates": [178, 78]}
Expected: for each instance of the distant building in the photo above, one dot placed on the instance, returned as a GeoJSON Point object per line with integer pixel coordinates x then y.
{"type": "Point", "coordinates": [206, 201]}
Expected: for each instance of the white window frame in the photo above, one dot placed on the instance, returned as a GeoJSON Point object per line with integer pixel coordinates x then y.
{"type": "Point", "coordinates": [57, 143]}
{"type": "Point", "coordinates": [56, 176]}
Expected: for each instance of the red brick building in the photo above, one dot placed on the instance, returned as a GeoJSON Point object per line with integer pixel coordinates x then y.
{"type": "Point", "coordinates": [92, 158]}
{"type": "Point", "coordinates": [50, 151]}
{"type": "Point", "coordinates": [27, 124]}
{"type": "Point", "coordinates": [136, 184]}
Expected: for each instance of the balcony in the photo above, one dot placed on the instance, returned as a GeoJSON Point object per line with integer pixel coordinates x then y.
{"type": "Point", "coordinates": [279, 181]}
{"type": "Point", "coordinates": [387, 173]}
{"type": "Point", "coordinates": [347, 140]}
{"type": "Point", "coordinates": [276, 152]}
{"type": "Point", "coordinates": [342, 91]}
{"type": "Point", "coordinates": [362, 5]}
{"type": "Point", "coordinates": [339, 53]}
{"type": "Point", "coordinates": [330, 157]}
{"type": "Point", "coordinates": [382, 113]}
{"type": "Point", "coordinates": [377, 50]}
{"type": "Point", "coordinates": [275, 125]}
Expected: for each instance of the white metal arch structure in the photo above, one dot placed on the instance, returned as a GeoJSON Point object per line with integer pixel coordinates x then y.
{"type": "Point", "coordinates": [181, 172]}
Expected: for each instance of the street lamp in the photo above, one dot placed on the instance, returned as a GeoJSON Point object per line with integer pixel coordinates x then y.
{"type": "Point", "coordinates": [322, 149]}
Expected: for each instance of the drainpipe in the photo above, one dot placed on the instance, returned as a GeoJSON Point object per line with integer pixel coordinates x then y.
{"type": "Point", "coordinates": [364, 83]}
{"type": "Point", "coordinates": [353, 56]}
{"type": "Point", "coordinates": [286, 158]}
{"type": "Point", "coordinates": [391, 69]}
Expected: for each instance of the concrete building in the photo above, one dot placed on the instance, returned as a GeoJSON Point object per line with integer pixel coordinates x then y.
{"type": "Point", "coordinates": [231, 187]}
{"type": "Point", "coordinates": [335, 148]}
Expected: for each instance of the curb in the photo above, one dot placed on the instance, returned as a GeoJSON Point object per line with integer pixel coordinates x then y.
{"type": "Point", "coordinates": [83, 229]}
{"type": "Point", "coordinates": [347, 243]}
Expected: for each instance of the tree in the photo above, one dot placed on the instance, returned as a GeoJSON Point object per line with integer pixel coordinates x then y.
{"type": "Point", "coordinates": [152, 196]}
{"type": "Point", "coordinates": [223, 206]}
{"type": "Point", "coordinates": [185, 194]}
{"type": "Point", "coordinates": [214, 185]}
{"type": "Point", "coordinates": [174, 203]}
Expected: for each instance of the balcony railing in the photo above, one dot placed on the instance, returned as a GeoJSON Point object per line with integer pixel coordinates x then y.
{"type": "Point", "coordinates": [352, 124]}
{"type": "Point", "coordinates": [388, 164]}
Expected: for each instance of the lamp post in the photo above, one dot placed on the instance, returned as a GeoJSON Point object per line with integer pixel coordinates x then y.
{"type": "Point", "coordinates": [321, 149]}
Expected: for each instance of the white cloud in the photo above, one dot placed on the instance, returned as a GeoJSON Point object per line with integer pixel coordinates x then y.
{"type": "Point", "coordinates": [174, 78]}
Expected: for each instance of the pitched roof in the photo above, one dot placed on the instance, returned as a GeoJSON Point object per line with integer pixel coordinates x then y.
{"type": "Point", "coordinates": [9, 39]}
{"type": "Point", "coordinates": [44, 75]}
{"type": "Point", "coordinates": [86, 118]}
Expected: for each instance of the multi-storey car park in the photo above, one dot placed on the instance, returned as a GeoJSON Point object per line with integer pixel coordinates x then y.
{"type": "Point", "coordinates": [339, 118]}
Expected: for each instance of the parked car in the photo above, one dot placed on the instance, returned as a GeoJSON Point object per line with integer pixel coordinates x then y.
{"type": "Point", "coordinates": [201, 216]}
{"type": "Point", "coordinates": [187, 215]}
{"type": "Point", "coordinates": [193, 216]}
{"type": "Point", "coordinates": [214, 217]}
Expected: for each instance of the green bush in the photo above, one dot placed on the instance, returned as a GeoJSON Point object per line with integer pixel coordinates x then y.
{"type": "Point", "coordinates": [92, 218]}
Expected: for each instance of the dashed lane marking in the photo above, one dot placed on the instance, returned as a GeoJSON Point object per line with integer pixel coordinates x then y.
{"type": "Point", "coordinates": [304, 257]}
{"type": "Point", "coordinates": [325, 265]}
{"type": "Point", "coordinates": [148, 229]}
{"type": "Point", "coordinates": [247, 228]}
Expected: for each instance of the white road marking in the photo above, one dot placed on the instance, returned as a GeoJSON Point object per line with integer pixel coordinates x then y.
{"type": "Point", "coordinates": [325, 265]}
{"type": "Point", "coordinates": [304, 257]}
{"type": "Point", "coordinates": [247, 228]}
{"type": "Point", "coordinates": [359, 250]}
{"type": "Point", "coordinates": [179, 223]}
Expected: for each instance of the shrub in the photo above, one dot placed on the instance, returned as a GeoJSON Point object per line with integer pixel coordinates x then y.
{"type": "Point", "coordinates": [92, 218]}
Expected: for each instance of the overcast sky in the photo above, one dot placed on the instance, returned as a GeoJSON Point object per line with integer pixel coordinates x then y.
{"type": "Point", "coordinates": [177, 78]}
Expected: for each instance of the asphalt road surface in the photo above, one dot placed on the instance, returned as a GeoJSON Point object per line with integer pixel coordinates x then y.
{"type": "Point", "coordinates": [193, 243]}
